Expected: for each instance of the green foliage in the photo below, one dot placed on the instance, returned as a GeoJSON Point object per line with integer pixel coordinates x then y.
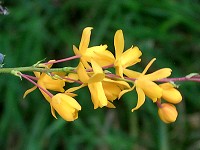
{"type": "Point", "coordinates": [168, 30]}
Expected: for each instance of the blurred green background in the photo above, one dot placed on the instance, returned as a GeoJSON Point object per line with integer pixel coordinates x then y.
{"type": "Point", "coordinates": [168, 30]}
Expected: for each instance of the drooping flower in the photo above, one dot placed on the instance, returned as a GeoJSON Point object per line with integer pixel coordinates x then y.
{"type": "Point", "coordinates": [66, 106]}
{"type": "Point", "coordinates": [98, 53]}
{"type": "Point", "coordinates": [94, 83]}
{"type": "Point", "coordinates": [167, 112]}
{"type": "Point", "coordinates": [48, 83]}
{"type": "Point", "coordinates": [127, 58]}
{"type": "Point", "coordinates": [170, 94]}
{"type": "Point", "coordinates": [145, 84]}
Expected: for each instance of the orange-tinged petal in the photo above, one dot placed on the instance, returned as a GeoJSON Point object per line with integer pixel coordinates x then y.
{"type": "Point", "coordinates": [29, 91]}
{"type": "Point", "coordinates": [151, 89]}
{"type": "Point", "coordinates": [83, 76]}
{"type": "Point", "coordinates": [131, 57]}
{"type": "Point", "coordinates": [159, 74]}
{"type": "Point", "coordinates": [85, 39]}
{"type": "Point", "coordinates": [141, 98]}
{"type": "Point", "coordinates": [118, 43]}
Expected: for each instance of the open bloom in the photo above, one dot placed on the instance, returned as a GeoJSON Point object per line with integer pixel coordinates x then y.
{"type": "Point", "coordinates": [66, 106]}
{"type": "Point", "coordinates": [103, 90]}
{"type": "Point", "coordinates": [144, 84]}
{"type": "Point", "coordinates": [167, 113]}
{"type": "Point", "coordinates": [99, 53]}
{"type": "Point", "coordinates": [126, 59]}
{"type": "Point", "coordinates": [48, 83]}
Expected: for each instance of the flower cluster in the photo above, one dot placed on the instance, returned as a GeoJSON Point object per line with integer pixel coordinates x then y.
{"type": "Point", "coordinates": [105, 86]}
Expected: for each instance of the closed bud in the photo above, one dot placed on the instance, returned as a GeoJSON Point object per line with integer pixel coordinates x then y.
{"type": "Point", "coordinates": [167, 113]}
{"type": "Point", "coordinates": [66, 106]}
{"type": "Point", "coordinates": [170, 94]}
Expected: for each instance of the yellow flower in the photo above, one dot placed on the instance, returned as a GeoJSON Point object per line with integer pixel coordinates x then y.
{"type": "Point", "coordinates": [170, 94]}
{"type": "Point", "coordinates": [126, 59]}
{"type": "Point", "coordinates": [144, 84]}
{"type": "Point", "coordinates": [94, 83]}
{"type": "Point", "coordinates": [99, 53]}
{"type": "Point", "coordinates": [66, 106]}
{"type": "Point", "coordinates": [102, 90]}
{"type": "Point", "coordinates": [167, 113]}
{"type": "Point", "coordinates": [48, 83]}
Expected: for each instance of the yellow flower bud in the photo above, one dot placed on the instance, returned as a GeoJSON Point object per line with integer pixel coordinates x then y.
{"type": "Point", "coordinates": [170, 94]}
{"type": "Point", "coordinates": [66, 106]}
{"type": "Point", "coordinates": [167, 113]}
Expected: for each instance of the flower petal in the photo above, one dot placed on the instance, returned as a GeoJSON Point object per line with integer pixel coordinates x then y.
{"type": "Point", "coordinates": [119, 70]}
{"type": "Point", "coordinates": [131, 74]}
{"type": "Point", "coordinates": [96, 67]}
{"type": "Point", "coordinates": [148, 66]}
{"type": "Point", "coordinates": [121, 84]}
{"type": "Point", "coordinates": [70, 90]}
{"type": "Point", "coordinates": [83, 76]}
{"type": "Point", "coordinates": [110, 105]}
{"type": "Point", "coordinates": [118, 43]}
{"type": "Point", "coordinates": [66, 106]}
{"type": "Point", "coordinates": [100, 94]}
{"type": "Point", "coordinates": [167, 113]}
{"type": "Point", "coordinates": [159, 74]}
{"type": "Point", "coordinates": [141, 98]}
{"type": "Point", "coordinates": [151, 89]}
{"type": "Point", "coordinates": [125, 91]}
{"type": "Point", "coordinates": [29, 91]}
{"type": "Point", "coordinates": [53, 112]}
{"type": "Point", "coordinates": [131, 57]}
{"type": "Point", "coordinates": [85, 39]}
{"type": "Point", "coordinates": [76, 51]}
{"type": "Point", "coordinates": [170, 94]}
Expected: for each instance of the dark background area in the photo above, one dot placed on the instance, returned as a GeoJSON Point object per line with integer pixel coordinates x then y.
{"type": "Point", "coordinates": [168, 30]}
